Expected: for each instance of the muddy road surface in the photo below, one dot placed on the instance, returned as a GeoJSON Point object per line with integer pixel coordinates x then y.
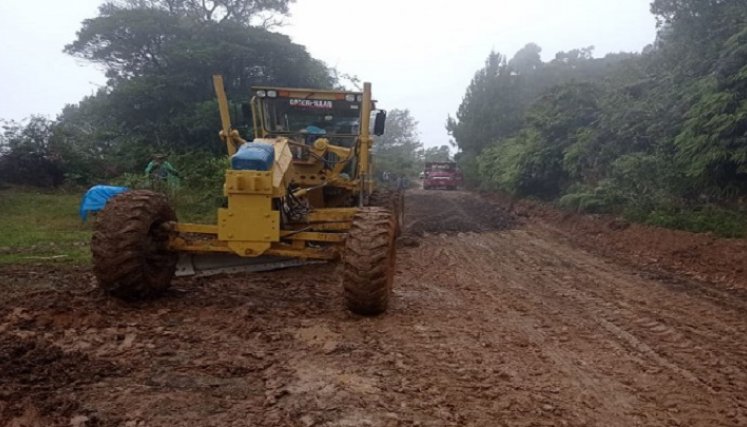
{"type": "Point", "coordinates": [496, 320]}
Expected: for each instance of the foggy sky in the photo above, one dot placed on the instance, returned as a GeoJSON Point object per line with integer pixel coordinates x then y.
{"type": "Point", "coordinates": [419, 54]}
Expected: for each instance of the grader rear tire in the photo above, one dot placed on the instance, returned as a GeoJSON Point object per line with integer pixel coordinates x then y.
{"type": "Point", "coordinates": [130, 257]}
{"type": "Point", "coordinates": [368, 261]}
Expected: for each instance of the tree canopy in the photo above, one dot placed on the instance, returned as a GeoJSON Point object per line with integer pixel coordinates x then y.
{"type": "Point", "coordinates": [399, 150]}
{"type": "Point", "coordinates": [159, 57]}
{"type": "Point", "coordinates": [241, 11]}
{"type": "Point", "coordinates": [650, 135]}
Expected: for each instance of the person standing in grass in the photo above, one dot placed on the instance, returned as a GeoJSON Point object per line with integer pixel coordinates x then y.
{"type": "Point", "coordinates": [162, 175]}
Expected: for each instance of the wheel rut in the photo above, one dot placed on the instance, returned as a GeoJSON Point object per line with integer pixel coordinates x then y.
{"type": "Point", "coordinates": [493, 320]}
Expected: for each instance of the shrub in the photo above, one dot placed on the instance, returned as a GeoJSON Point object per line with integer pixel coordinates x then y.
{"type": "Point", "coordinates": [709, 218]}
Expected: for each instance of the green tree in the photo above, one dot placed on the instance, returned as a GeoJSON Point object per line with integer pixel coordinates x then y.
{"type": "Point", "coordinates": [527, 59]}
{"type": "Point", "coordinates": [713, 140]}
{"type": "Point", "coordinates": [159, 59]}
{"type": "Point", "coordinates": [151, 42]}
{"type": "Point", "coordinates": [242, 11]}
{"type": "Point", "coordinates": [489, 96]}
{"type": "Point", "coordinates": [658, 136]}
{"type": "Point", "coordinates": [398, 150]}
{"type": "Point", "coordinates": [441, 153]}
{"type": "Point", "coordinates": [497, 100]}
{"type": "Point", "coordinates": [30, 154]}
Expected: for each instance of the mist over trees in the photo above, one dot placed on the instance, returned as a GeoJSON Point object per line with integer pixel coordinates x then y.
{"type": "Point", "coordinates": [441, 153]}
{"type": "Point", "coordinates": [248, 12]}
{"type": "Point", "coordinates": [659, 136]}
{"type": "Point", "coordinates": [400, 152]}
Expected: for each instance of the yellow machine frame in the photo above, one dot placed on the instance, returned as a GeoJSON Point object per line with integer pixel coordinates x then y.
{"type": "Point", "coordinates": [250, 224]}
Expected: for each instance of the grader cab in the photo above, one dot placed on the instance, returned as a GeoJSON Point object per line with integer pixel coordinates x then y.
{"type": "Point", "coordinates": [301, 191]}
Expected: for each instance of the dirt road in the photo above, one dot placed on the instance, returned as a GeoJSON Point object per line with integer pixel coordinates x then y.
{"type": "Point", "coordinates": [496, 320]}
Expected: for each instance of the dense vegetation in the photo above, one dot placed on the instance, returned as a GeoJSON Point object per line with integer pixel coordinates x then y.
{"type": "Point", "coordinates": [400, 152]}
{"type": "Point", "coordinates": [159, 56]}
{"type": "Point", "coordinates": [660, 136]}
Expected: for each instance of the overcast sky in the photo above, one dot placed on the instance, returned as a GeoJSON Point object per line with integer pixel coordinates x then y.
{"type": "Point", "coordinates": [419, 54]}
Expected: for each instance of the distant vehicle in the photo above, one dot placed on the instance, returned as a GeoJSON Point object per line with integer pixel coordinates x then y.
{"type": "Point", "coordinates": [444, 175]}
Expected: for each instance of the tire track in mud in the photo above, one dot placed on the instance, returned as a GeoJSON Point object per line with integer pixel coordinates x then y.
{"type": "Point", "coordinates": [625, 340]}
{"type": "Point", "coordinates": [605, 311]}
{"type": "Point", "coordinates": [674, 325]}
{"type": "Point", "coordinates": [681, 341]}
{"type": "Point", "coordinates": [582, 386]}
{"type": "Point", "coordinates": [493, 322]}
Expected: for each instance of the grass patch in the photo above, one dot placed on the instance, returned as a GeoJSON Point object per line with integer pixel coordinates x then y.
{"type": "Point", "coordinates": [721, 222]}
{"type": "Point", "coordinates": [196, 207]}
{"type": "Point", "coordinates": [42, 226]}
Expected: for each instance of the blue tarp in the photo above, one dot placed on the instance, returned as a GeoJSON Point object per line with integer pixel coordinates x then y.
{"type": "Point", "coordinates": [254, 157]}
{"type": "Point", "coordinates": [96, 198]}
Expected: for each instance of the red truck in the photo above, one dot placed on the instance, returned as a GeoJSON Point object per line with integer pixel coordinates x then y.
{"type": "Point", "coordinates": [444, 175]}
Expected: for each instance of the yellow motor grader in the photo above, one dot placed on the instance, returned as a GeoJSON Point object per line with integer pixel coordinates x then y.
{"type": "Point", "coordinates": [301, 191]}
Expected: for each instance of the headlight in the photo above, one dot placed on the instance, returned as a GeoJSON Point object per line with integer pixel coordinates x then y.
{"type": "Point", "coordinates": [261, 93]}
{"type": "Point", "coordinates": [272, 93]}
{"type": "Point", "coordinates": [350, 97]}
{"type": "Point", "coordinates": [360, 98]}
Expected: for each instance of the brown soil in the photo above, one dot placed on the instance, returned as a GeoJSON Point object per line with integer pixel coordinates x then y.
{"type": "Point", "coordinates": [704, 257]}
{"type": "Point", "coordinates": [498, 322]}
{"type": "Point", "coordinates": [37, 373]}
{"type": "Point", "coordinates": [433, 212]}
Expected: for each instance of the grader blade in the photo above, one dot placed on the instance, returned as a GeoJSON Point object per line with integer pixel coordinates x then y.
{"type": "Point", "coordinates": [202, 265]}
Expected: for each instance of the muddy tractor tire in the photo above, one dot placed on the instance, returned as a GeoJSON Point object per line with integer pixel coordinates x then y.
{"type": "Point", "coordinates": [130, 255]}
{"type": "Point", "coordinates": [368, 261]}
{"type": "Point", "coordinates": [392, 200]}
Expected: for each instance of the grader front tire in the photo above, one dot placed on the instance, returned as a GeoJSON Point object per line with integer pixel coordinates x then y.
{"type": "Point", "coordinates": [400, 212]}
{"type": "Point", "coordinates": [368, 261]}
{"type": "Point", "coordinates": [130, 255]}
{"type": "Point", "coordinates": [392, 200]}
